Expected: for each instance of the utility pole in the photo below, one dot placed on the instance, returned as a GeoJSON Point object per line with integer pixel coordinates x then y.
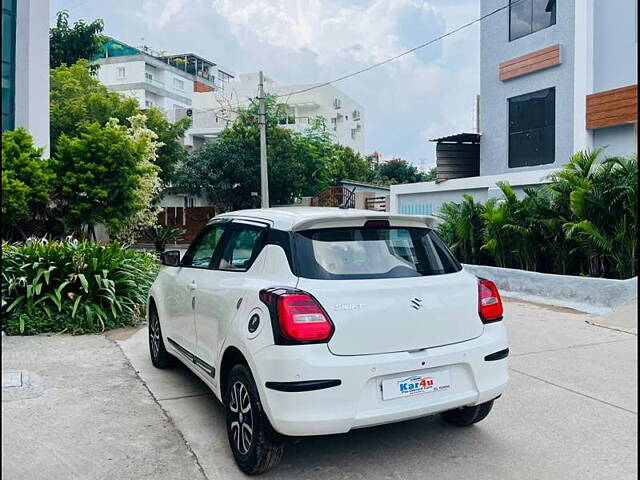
{"type": "Point", "coordinates": [264, 177]}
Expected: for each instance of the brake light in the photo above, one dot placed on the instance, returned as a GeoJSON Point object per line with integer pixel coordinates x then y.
{"type": "Point", "coordinates": [489, 301]}
{"type": "Point", "coordinates": [301, 318]}
{"type": "Point", "coordinates": [296, 316]}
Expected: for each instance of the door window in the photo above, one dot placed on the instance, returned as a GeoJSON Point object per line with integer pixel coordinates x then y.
{"type": "Point", "coordinates": [241, 248]}
{"type": "Point", "coordinates": [201, 252]}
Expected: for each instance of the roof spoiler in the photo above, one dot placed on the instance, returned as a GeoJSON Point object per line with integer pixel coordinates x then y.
{"type": "Point", "coordinates": [337, 221]}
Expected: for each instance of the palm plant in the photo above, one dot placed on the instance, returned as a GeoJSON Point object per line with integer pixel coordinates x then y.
{"type": "Point", "coordinates": [160, 235]}
{"type": "Point", "coordinates": [605, 216]}
{"type": "Point", "coordinates": [462, 228]}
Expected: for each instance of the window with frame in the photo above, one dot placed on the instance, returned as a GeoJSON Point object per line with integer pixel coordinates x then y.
{"type": "Point", "coordinates": [528, 16]}
{"type": "Point", "coordinates": [179, 84]}
{"type": "Point", "coordinates": [532, 128]}
{"type": "Point", "coordinates": [121, 72]}
{"type": "Point", "coordinates": [201, 253]}
{"type": "Point", "coordinates": [241, 247]}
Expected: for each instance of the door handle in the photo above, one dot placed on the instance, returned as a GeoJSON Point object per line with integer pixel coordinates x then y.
{"type": "Point", "coordinates": [192, 285]}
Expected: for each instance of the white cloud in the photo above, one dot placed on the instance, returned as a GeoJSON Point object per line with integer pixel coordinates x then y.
{"type": "Point", "coordinates": [425, 94]}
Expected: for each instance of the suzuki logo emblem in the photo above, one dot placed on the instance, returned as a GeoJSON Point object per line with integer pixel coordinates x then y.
{"type": "Point", "coordinates": [416, 303]}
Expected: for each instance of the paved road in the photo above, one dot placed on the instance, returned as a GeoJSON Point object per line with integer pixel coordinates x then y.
{"type": "Point", "coordinates": [83, 413]}
{"type": "Point", "coordinates": [570, 412]}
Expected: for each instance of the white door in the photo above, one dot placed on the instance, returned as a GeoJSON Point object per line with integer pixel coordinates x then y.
{"type": "Point", "coordinates": [190, 276]}
{"type": "Point", "coordinates": [219, 298]}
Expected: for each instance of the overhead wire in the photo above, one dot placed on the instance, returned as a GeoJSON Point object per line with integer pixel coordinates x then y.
{"type": "Point", "coordinates": [402, 54]}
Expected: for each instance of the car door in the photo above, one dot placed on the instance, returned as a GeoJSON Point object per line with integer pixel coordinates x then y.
{"type": "Point", "coordinates": [220, 298]}
{"type": "Point", "coordinates": [191, 273]}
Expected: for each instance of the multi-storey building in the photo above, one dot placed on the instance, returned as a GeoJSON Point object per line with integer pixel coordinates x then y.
{"type": "Point", "coordinates": [343, 116]}
{"type": "Point", "coordinates": [156, 80]}
{"type": "Point", "coordinates": [25, 68]}
{"type": "Point", "coordinates": [556, 77]}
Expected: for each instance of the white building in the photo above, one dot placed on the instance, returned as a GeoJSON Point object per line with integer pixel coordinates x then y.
{"type": "Point", "coordinates": [25, 68]}
{"type": "Point", "coordinates": [344, 117]}
{"type": "Point", "coordinates": [167, 82]}
{"type": "Point", "coordinates": [555, 78]}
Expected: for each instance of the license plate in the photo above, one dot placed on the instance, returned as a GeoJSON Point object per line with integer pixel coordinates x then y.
{"type": "Point", "coordinates": [409, 385]}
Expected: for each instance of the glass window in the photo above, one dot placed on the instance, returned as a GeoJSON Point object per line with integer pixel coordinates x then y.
{"type": "Point", "coordinates": [179, 84]}
{"type": "Point", "coordinates": [8, 63]}
{"type": "Point", "coordinates": [361, 253]}
{"type": "Point", "coordinates": [201, 252]}
{"type": "Point", "coordinates": [528, 16]}
{"type": "Point", "coordinates": [241, 248]}
{"type": "Point", "coordinates": [532, 128]}
{"type": "Point", "coordinates": [121, 72]}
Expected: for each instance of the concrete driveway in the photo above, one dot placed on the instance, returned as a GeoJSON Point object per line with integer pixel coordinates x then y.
{"type": "Point", "coordinates": [570, 412]}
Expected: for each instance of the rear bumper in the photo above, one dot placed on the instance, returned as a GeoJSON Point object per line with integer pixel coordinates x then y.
{"type": "Point", "coordinates": [357, 400]}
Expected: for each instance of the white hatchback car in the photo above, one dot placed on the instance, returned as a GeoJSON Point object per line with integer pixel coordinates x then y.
{"type": "Point", "coordinates": [309, 321]}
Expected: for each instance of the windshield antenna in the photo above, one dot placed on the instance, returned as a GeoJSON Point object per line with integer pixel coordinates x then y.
{"type": "Point", "coordinates": [345, 205]}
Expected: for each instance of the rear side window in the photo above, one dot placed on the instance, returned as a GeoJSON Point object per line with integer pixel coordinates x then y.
{"type": "Point", "coordinates": [361, 253]}
{"type": "Point", "coordinates": [241, 247]}
{"type": "Point", "coordinates": [201, 252]}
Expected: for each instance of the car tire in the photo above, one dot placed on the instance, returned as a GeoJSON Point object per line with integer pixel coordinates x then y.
{"type": "Point", "coordinates": [465, 416]}
{"type": "Point", "coordinates": [255, 445]}
{"type": "Point", "coordinates": [159, 355]}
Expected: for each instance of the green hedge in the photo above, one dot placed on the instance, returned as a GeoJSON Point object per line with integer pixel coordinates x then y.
{"type": "Point", "coordinates": [73, 286]}
{"type": "Point", "coordinates": [583, 222]}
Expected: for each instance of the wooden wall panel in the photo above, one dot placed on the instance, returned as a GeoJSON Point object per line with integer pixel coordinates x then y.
{"type": "Point", "coordinates": [532, 62]}
{"type": "Point", "coordinates": [612, 107]}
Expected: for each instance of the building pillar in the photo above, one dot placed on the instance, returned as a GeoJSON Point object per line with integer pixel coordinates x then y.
{"type": "Point", "coordinates": [582, 73]}
{"type": "Point", "coordinates": [32, 70]}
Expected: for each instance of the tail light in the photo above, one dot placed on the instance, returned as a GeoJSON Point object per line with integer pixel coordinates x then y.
{"type": "Point", "coordinates": [296, 317]}
{"type": "Point", "coordinates": [489, 301]}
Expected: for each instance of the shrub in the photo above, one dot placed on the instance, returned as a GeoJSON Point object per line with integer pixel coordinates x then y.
{"type": "Point", "coordinates": [584, 222]}
{"type": "Point", "coordinates": [71, 286]}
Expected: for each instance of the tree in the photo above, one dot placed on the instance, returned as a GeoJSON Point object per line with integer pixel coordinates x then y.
{"type": "Point", "coordinates": [26, 179]}
{"type": "Point", "coordinates": [396, 171]}
{"type": "Point", "coordinates": [79, 99]}
{"type": "Point", "coordinates": [100, 174]}
{"type": "Point", "coordinates": [431, 175]}
{"type": "Point", "coordinates": [344, 163]}
{"type": "Point", "coordinates": [228, 171]}
{"type": "Point", "coordinates": [68, 44]}
{"type": "Point", "coordinates": [171, 152]}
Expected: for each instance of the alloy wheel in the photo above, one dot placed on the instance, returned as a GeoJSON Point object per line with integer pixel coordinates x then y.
{"type": "Point", "coordinates": [242, 422]}
{"type": "Point", "coordinates": [154, 334]}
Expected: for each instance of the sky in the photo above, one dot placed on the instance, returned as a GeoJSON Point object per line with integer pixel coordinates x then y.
{"type": "Point", "coordinates": [424, 95]}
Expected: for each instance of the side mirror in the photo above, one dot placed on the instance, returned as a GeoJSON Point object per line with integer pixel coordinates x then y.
{"type": "Point", "coordinates": [171, 258]}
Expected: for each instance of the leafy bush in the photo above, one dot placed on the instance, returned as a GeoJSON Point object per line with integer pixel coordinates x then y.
{"type": "Point", "coordinates": [584, 222]}
{"type": "Point", "coordinates": [71, 286]}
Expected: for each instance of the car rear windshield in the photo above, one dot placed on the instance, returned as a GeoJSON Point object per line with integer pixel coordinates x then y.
{"type": "Point", "coordinates": [362, 253]}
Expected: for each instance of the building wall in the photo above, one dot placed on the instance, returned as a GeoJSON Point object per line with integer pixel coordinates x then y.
{"type": "Point", "coordinates": [615, 44]}
{"type": "Point", "coordinates": [619, 140]}
{"type": "Point", "coordinates": [615, 65]}
{"type": "Point", "coordinates": [160, 90]}
{"type": "Point", "coordinates": [32, 70]}
{"type": "Point", "coordinates": [495, 49]}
